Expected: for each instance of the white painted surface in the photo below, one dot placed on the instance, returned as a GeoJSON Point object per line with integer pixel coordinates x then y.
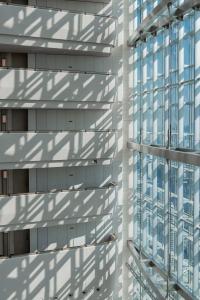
{"type": "Point", "coordinates": [101, 7]}
{"type": "Point", "coordinates": [73, 63]}
{"type": "Point", "coordinates": [45, 276]}
{"type": "Point", "coordinates": [24, 147]}
{"type": "Point", "coordinates": [79, 177]}
{"type": "Point", "coordinates": [113, 64]}
{"type": "Point", "coordinates": [61, 119]}
{"type": "Point", "coordinates": [32, 209]}
{"type": "Point", "coordinates": [56, 86]}
{"type": "Point", "coordinates": [55, 237]}
{"type": "Point", "coordinates": [41, 45]}
{"type": "Point", "coordinates": [56, 25]}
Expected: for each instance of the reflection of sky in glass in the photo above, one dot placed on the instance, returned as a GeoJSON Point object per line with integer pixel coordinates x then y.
{"type": "Point", "coordinates": [167, 88]}
{"type": "Point", "coordinates": [152, 210]}
{"type": "Point", "coordinates": [167, 61]}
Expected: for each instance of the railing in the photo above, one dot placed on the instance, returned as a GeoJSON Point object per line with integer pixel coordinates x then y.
{"type": "Point", "coordinates": [51, 25]}
{"type": "Point", "coordinates": [53, 275]}
{"type": "Point", "coordinates": [64, 10]}
{"type": "Point", "coordinates": [25, 211]}
{"type": "Point", "coordinates": [66, 86]}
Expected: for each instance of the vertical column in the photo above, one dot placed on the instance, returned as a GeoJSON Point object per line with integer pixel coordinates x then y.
{"type": "Point", "coordinates": [196, 80]}
{"type": "Point", "coordinates": [180, 223]}
{"type": "Point", "coordinates": [196, 231]}
{"type": "Point", "coordinates": [154, 208]}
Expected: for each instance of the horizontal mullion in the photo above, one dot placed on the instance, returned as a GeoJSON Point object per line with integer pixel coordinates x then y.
{"type": "Point", "coordinates": [188, 157]}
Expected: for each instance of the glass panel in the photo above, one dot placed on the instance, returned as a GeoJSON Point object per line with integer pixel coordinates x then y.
{"type": "Point", "coordinates": [167, 113]}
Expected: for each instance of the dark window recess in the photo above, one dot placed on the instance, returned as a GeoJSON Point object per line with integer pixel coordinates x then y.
{"type": "Point", "coordinates": [20, 181]}
{"type": "Point", "coordinates": [19, 60]}
{"type": "Point", "coordinates": [3, 60]}
{"type": "Point", "coordinates": [3, 182]}
{"type": "Point", "coordinates": [14, 182]}
{"type": "Point", "coordinates": [3, 120]}
{"type": "Point", "coordinates": [13, 120]}
{"type": "Point", "coordinates": [22, 2]}
{"type": "Point", "coordinates": [21, 242]}
{"type": "Point", "coordinates": [14, 242]}
{"type": "Point", "coordinates": [19, 120]}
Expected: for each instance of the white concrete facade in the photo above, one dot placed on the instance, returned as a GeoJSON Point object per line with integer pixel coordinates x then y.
{"type": "Point", "coordinates": [64, 168]}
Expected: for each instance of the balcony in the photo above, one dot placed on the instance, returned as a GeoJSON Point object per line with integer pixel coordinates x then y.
{"type": "Point", "coordinates": [53, 275]}
{"type": "Point", "coordinates": [55, 31]}
{"type": "Point", "coordinates": [37, 147]}
{"type": "Point", "coordinates": [38, 209]}
{"type": "Point", "coordinates": [21, 88]}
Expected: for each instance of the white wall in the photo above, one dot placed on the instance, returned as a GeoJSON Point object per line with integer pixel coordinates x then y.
{"type": "Point", "coordinates": [57, 119]}
{"type": "Point", "coordinates": [113, 64]}
{"type": "Point", "coordinates": [48, 179]}
{"type": "Point", "coordinates": [100, 7]}
{"type": "Point", "coordinates": [57, 274]}
{"type": "Point", "coordinates": [25, 147]}
{"type": "Point", "coordinates": [56, 86]}
{"type": "Point", "coordinates": [55, 237]}
{"type": "Point", "coordinates": [56, 25]}
{"type": "Point", "coordinates": [31, 209]}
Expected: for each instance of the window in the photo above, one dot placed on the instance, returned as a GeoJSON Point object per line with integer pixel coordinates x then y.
{"type": "Point", "coordinates": [166, 115]}
{"type": "Point", "coordinates": [14, 242]}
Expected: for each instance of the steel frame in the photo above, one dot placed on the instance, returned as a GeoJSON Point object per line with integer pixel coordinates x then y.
{"type": "Point", "coordinates": [179, 155]}
{"type": "Point", "coordinates": [151, 23]}
{"type": "Point", "coordinates": [143, 259]}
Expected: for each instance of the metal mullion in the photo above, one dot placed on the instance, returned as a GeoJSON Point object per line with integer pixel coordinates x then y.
{"type": "Point", "coordinates": [154, 129]}
{"type": "Point", "coordinates": [196, 84]}
{"type": "Point", "coordinates": [140, 263]}
{"type": "Point", "coordinates": [144, 175]}
{"type": "Point", "coordinates": [135, 196]}
{"type": "Point", "coordinates": [154, 208]}
{"type": "Point", "coordinates": [143, 272]}
{"type": "Point", "coordinates": [150, 20]}
{"type": "Point", "coordinates": [141, 283]}
{"type": "Point", "coordinates": [141, 197]}
{"type": "Point", "coordinates": [189, 157]}
{"type": "Point", "coordinates": [167, 223]}
{"type": "Point", "coordinates": [180, 224]}
{"type": "Point", "coordinates": [196, 210]}
{"type": "Point", "coordinates": [141, 88]}
{"type": "Point", "coordinates": [180, 99]}
{"type": "Point", "coordinates": [166, 93]}
{"type": "Point", "coordinates": [171, 85]}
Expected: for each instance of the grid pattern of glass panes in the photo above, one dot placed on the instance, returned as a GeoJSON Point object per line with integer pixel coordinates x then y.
{"type": "Point", "coordinates": [167, 83]}
{"type": "Point", "coordinates": [166, 102]}
{"type": "Point", "coordinates": [166, 220]}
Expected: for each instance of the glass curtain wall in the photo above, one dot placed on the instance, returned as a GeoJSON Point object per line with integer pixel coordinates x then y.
{"type": "Point", "coordinates": [167, 114]}
{"type": "Point", "coordinates": [166, 83]}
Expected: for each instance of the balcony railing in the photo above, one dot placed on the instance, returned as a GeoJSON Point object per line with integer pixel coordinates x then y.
{"type": "Point", "coordinates": [56, 146]}
{"type": "Point", "coordinates": [53, 275]}
{"type": "Point", "coordinates": [30, 210]}
{"type": "Point", "coordinates": [56, 30]}
{"type": "Point", "coordinates": [20, 86]}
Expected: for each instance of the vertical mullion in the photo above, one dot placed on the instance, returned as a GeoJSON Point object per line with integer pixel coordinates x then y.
{"type": "Point", "coordinates": [154, 98]}
{"type": "Point", "coordinates": [154, 208]}
{"type": "Point", "coordinates": [167, 217]}
{"type": "Point", "coordinates": [196, 79]}
{"type": "Point", "coordinates": [144, 176]}
{"type": "Point", "coordinates": [180, 89]}
{"type": "Point", "coordinates": [180, 223]}
{"type": "Point", "coordinates": [166, 91]}
{"type": "Point", "coordinates": [196, 210]}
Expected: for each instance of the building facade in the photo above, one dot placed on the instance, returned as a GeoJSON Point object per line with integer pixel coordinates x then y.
{"type": "Point", "coordinates": [166, 140]}
{"type": "Point", "coordinates": [60, 160]}
{"type": "Point", "coordinates": [99, 149]}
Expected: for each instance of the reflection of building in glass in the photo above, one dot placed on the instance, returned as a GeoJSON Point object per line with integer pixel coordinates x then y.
{"type": "Point", "coordinates": [166, 142]}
